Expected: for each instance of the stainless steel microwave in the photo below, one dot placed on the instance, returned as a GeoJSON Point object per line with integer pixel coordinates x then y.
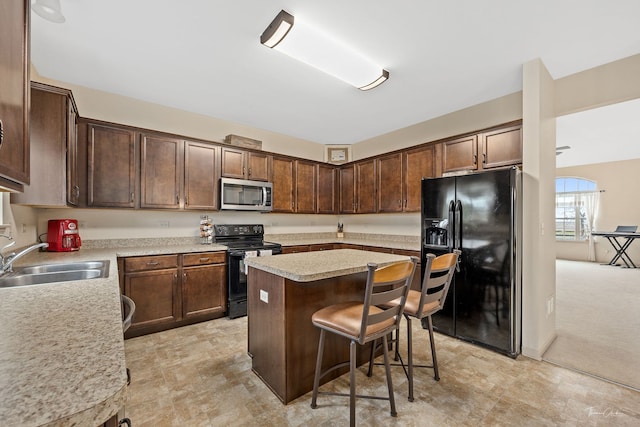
{"type": "Point", "coordinates": [245, 195]}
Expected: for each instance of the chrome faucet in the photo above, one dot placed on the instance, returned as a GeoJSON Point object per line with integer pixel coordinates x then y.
{"type": "Point", "coordinates": [6, 261]}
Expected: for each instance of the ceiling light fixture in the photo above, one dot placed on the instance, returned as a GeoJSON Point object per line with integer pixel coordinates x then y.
{"type": "Point", "coordinates": [308, 45]}
{"type": "Point", "coordinates": [49, 10]}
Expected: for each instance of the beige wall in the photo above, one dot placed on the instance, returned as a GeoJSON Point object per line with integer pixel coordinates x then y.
{"type": "Point", "coordinates": [618, 206]}
{"type": "Point", "coordinates": [114, 108]}
{"type": "Point", "coordinates": [500, 110]}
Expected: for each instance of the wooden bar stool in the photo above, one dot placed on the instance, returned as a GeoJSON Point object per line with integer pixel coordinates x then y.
{"type": "Point", "coordinates": [438, 273]}
{"type": "Point", "coordinates": [363, 322]}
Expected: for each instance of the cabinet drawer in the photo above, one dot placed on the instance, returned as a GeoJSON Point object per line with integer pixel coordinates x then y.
{"type": "Point", "coordinates": [202, 258]}
{"type": "Point", "coordinates": [155, 262]}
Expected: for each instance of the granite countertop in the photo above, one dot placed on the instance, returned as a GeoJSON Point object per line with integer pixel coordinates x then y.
{"type": "Point", "coordinates": [410, 244]}
{"type": "Point", "coordinates": [310, 266]}
{"type": "Point", "coordinates": [62, 359]}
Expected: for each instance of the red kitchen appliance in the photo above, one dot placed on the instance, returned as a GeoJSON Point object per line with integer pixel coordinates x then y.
{"type": "Point", "coordinates": [63, 235]}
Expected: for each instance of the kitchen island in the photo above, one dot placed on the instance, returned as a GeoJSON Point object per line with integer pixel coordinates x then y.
{"type": "Point", "coordinates": [283, 293]}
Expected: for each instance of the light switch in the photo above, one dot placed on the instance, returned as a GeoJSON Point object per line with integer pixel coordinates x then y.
{"type": "Point", "coordinates": [264, 296]}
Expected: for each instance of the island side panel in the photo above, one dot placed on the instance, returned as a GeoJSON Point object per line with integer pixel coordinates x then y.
{"type": "Point", "coordinates": [266, 326]}
{"type": "Point", "coordinates": [302, 299]}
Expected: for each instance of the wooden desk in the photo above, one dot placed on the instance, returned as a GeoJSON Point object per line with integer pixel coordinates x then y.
{"type": "Point", "coordinates": [283, 292]}
{"type": "Point", "coordinates": [618, 245]}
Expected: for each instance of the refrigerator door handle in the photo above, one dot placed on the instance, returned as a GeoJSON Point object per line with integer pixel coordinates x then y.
{"type": "Point", "coordinates": [450, 226]}
{"type": "Point", "coordinates": [457, 239]}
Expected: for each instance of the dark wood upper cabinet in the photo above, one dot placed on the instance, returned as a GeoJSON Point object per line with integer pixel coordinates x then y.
{"type": "Point", "coordinates": [111, 170]}
{"type": "Point", "coordinates": [389, 183]}
{"type": "Point", "coordinates": [417, 164]}
{"type": "Point", "coordinates": [161, 172]}
{"type": "Point", "coordinates": [327, 198]}
{"type": "Point", "coordinates": [366, 186]}
{"type": "Point", "coordinates": [283, 184]}
{"type": "Point", "coordinates": [201, 172]}
{"type": "Point", "coordinates": [54, 166]}
{"type": "Point", "coordinates": [501, 147]}
{"type": "Point", "coordinates": [305, 186]}
{"type": "Point", "coordinates": [460, 154]}
{"type": "Point", "coordinates": [490, 149]}
{"type": "Point", "coordinates": [14, 94]}
{"type": "Point", "coordinates": [241, 164]}
{"type": "Point", "coordinates": [347, 202]}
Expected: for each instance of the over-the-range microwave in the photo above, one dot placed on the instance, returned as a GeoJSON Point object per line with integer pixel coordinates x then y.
{"type": "Point", "coordinates": [245, 195]}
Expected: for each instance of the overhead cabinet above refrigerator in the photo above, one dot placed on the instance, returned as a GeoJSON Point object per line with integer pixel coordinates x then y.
{"type": "Point", "coordinates": [480, 215]}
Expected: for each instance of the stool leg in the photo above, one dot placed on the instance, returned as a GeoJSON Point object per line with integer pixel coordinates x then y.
{"type": "Point", "coordinates": [352, 383]}
{"type": "Point", "coordinates": [371, 357]}
{"type": "Point", "coordinates": [316, 378]}
{"type": "Point", "coordinates": [392, 401]}
{"type": "Point", "coordinates": [433, 349]}
{"type": "Point", "coordinates": [410, 357]}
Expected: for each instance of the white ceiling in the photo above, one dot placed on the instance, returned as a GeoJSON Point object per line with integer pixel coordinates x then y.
{"type": "Point", "coordinates": [204, 56]}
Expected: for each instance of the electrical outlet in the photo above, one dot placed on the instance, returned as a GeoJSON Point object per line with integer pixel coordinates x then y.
{"type": "Point", "coordinates": [264, 296]}
{"type": "Point", "coordinates": [164, 224]}
{"type": "Point", "coordinates": [23, 229]}
{"type": "Point", "coordinates": [82, 224]}
{"type": "Point", "coordinates": [550, 306]}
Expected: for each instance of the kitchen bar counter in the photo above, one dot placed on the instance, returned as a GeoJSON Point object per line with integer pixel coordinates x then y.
{"type": "Point", "coordinates": [410, 243]}
{"type": "Point", "coordinates": [283, 292]}
{"type": "Point", "coordinates": [62, 359]}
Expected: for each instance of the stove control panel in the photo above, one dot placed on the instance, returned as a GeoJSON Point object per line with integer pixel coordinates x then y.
{"type": "Point", "coordinates": [235, 230]}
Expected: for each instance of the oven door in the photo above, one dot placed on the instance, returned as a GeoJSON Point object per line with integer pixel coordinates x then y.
{"type": "Point", "coordinates": [237, 284]}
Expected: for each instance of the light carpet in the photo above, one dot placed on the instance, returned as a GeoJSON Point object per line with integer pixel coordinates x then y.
{"type": "Point", "coordinates": [598, 321]}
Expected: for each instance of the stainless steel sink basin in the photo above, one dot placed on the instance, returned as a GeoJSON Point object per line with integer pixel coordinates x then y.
{"type": "Point", "coordinates": [50, 273]}
{"type": "Point", "coordinates": [73, 266]}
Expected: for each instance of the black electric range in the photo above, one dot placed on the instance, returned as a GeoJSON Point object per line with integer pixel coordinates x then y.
{"type": "Point", "coordinates": [241, 240]}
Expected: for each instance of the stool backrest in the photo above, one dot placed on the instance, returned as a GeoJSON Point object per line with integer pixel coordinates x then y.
{"type": "Point", "coordinates": [385, 284]}
{"type": "Point", "coordinates": [438, 274]}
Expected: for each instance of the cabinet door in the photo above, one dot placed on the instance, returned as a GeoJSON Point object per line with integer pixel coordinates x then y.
{"type": "Point", "coordinates": [460, 154]}
{"type": "Point", "coordinates": [283, 184]}
{"type": "Point", "coordinates": [258, 169]}
{"type": "Point", "coordinates": [203, 290]}
{"type": "Point", "coordinates": [418, 164]}
{"type": "Point", "coordinates": [14, 93]}
{"type": "Point", "coordinates": [327, 189]}
{"type": "Point", "coordinates": [160, 173]}
{"type": "Point", "coordinates": [156, 296]}
{"type": "Point", "coordinates": [200, 176]}
{"type": "Point", "coordinates": [348, 189]}
{"type": "Point", "coordinates": [366, 187]}
{"type": "Point", "coordinates": [48, 134]}
{"type": "Point", "coordinates": [501, 147]}
{"type": "Point", "coordinates": [305, 186]}
{"type": "Point", "coordinates": [233, 163]}
{"type": "Point", "coordinates": [111, 157]}
{"type": "Point", "coordinates": [389, 182]}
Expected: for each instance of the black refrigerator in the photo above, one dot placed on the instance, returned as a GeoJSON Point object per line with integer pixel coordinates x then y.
{"type": "Point", "coordinates": [480, 214]}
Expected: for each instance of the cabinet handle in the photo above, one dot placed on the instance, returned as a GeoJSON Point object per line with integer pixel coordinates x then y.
{"type": "Point", "coordinates": [405, 203]}
{"type": "Point", "coordinates": [76, 190]}
{"type": "Point", "coordinates": [399, 202]}
{"type": "Point", "coordinates": [132, 195]}
{"type": "Point", "coordinates": [184, 277]}
{"type": "Point", "coordinates": [153, 263]}
{"type": "Point", "coordinates": [177, 199]}
{"type": "Point", "coordinates": [475, 159]}
{"type": "Point", "coordinates": [244, 170]}
{"type": "Point", "coordinates": [204, 259]}
{"type": "Point", "coordinates": [1, 133]}
{"type": "Point", "coordinates": [249, 171]}
{"type": "Point", "coordinates": [484, 158]}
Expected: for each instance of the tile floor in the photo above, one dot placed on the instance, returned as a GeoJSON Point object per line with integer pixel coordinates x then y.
{"type": "Point", "coordinates": [200, 375]}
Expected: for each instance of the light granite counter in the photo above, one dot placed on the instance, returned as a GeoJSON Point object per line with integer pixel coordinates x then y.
{"type": "Point", "coordinates": [62, 359]}
{"type": "Point", "coordinates": [312, 266]}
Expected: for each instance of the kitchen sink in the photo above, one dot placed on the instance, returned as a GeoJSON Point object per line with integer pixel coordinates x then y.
{"type": "Point", "coordinates": [73, 266]}
{"type": "Point", "coordinates": [50, 273]}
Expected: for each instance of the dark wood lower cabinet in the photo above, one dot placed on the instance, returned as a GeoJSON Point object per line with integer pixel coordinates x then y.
{"type": "Point", "coordinates": [174, 290]}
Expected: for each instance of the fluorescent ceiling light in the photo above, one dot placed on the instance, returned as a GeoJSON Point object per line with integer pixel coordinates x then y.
{"type": "Point", "coordinates": [49, 10]}
{"type": "Point", "coordinates": [313, 47]}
